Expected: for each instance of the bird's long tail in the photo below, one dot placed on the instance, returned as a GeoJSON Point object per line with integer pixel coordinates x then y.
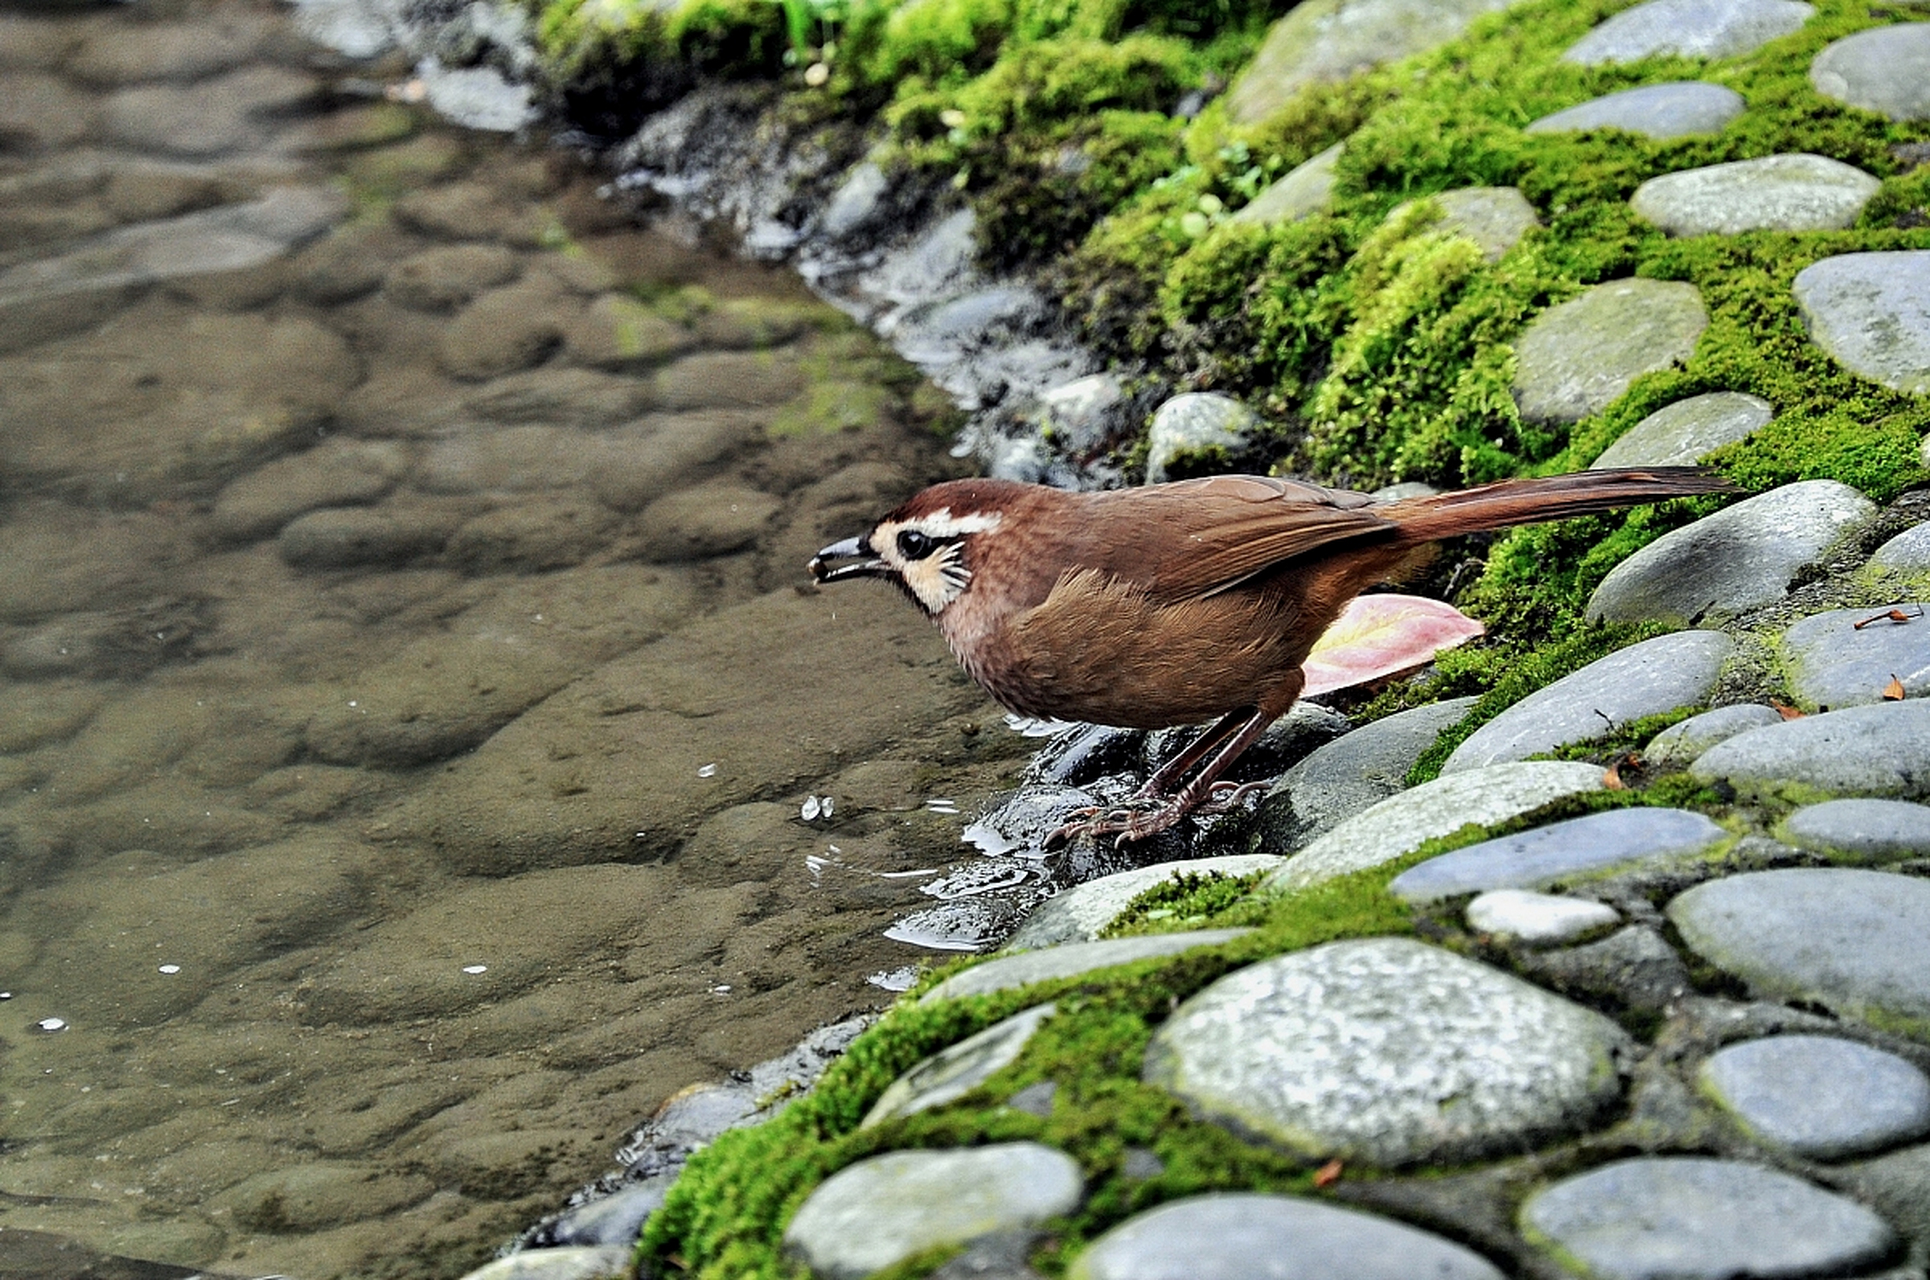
{"type": "Point", "coordinates": [1534, 499]}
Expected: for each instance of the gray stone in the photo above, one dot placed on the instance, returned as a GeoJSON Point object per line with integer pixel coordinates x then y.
{"type": "Point", "coordinates": [1820, 1096]}
{"type": "Point", "coordinates": [1908, 552]}
{"type": "Point", "coordinates": [1741, 558]}
{"type": "Point", "coordinates": [1578, 358]}
{"type": "Point", "coordinates": [1237, 1236]}
{"type": "Point", "coordinates": [1677, 109]}
{"type": "Point", "coordinates": [1880, 750]}
{"type": "Point", "coordinates": [1832, 663]}
{"type": "Point", "coordinates": [1689, 29]}
{"type": "Point", "coordinates": [446, 277]}
{"type": "Point", "coordinates": [1867, 830]}
{"type": "Point", "coordinates": [1617, 840]}
{"type": "Point", "coordinates": [1693, 1218]}
{"type": "Point", "coordinates": [1350, 774]}
{"type": "Point", "coordinates": [1328, 40]}
{"type": "Point", "coordinates": [1871, 312]}
{"type": "Point", "coordinates": [476, 97]}
{"type": "Point", "coordinates": [880, 1211]}
{"type": "Point", "coordinates": [1847, 939]}
{"type": "Point", "coordinates": [1493, 217]}
{"type": "Point", "coordinates": [1075, 958]}
{"type": "Point", "coordinates": [571, 1262]}
{"type": "Point", "coordinates": [1538, 919]}
{"type": "Point", "coordinates": [1196, 426]}
{"type": "Point", "coordinates": [1884, 69]}
{"type": "Point", "coordinates": [1688, 431]}
{"type": "Point", "coordinates": [1645, 679]}
{"type": "Point", "coordinates": [1633, 968]}
{"type": "Point", "coordinates": [855, 202]}
{"type": "Point", "coordinates": [1400, 824]}
{"type": "Point", "coordinates": [1084, 911]}
{"type": "Point", "coordinates": [1077, 416]}
{"type": "Point", "coordinates": [333, 474]}
{"type": "Point", "coordinates": [342, 537]}
{"type": "Point", "coordinates": [1304, 191]}
{"type": "Point", "coordinates": [952, 1073]}
{"type": "Point", "coordinates": [1388, 1051]}
{"type": "Point", "coordinates": [1798, 192]}
{"type": "Point", "coordinates": [1677, 746]}
{"type": "Point", "coordinates": [615, 1219]}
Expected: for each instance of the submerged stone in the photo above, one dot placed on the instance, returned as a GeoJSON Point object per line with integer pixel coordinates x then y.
{"type": "Point", "coordinates": [1645, 679]}
{"type": "Point", "coordinates": [1740, 558]}
{"type": "Point", "coordinates": [1773, 193]}
{"type": "Point", "coordinates": [1402, 823]}
{"type": "Point", "coordinates": [1237, 1236]}
{"type": "Point", "coordinates": [1580, 847]}
{"type": "Point", "coordinates": [1880, 750]}
{"type": "Point", "coordinates": [1884, 69]}
{"type": "Point", "coordinates": [1831, 661]}
{"type": "Point", "coordinates": [1689, 29]}
{"type": "Point", "coordinates": [880, 1211]}
{"type": "Point", "coordinates": [1820, 1097]}
{"type": "Point", "coordinates": [1578, 358]}
{"type": "Point", "coordinates": [1871, 313]}
{"type": "Point", "coordinates": [1389, 1051]}
{"type": "Point", "coordinates": [1693, 1218]}
{"type": "Point", "coordinates": [1847, 939]}
{"type": "Point", "coordinates": [1688, 431]}
{"type": "Point", "coordinates": [1674, 110]}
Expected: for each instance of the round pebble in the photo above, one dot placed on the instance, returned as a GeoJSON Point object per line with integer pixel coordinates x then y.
{"type": "Point", "coordinates": [1689, 29]}
{"type": "Point", "coordinates": [1192, 425]}
{"type": "Point", "coordinates": [1677, 746]}
{"type": "Point", "coordinates": [1874, 830]}
{"type": "Point", "coordinates": [1871, 311]}
{"type": "Point", "coordinates": [1688, 431]}
{"type": "Point", "coordinates": [1619, 839]}
{"type": "Point", "coordinates": [1820, 1096]}
{"type": "Point", "coordinates": [1047, 963]}
{"type": "Point", "coordinates": [1772, 193]}
{"type": "Point", "coordinates": [1850, 657]}
{"type": "Point", "coordinates": [1537, 918]}
{"type": "Point", "coordinates": [1884, 69]}
{"type": "Point", "coordinates": [1578, 358]}
{"type": "Point", "coordinates": [1880, 750]}
{"type": "Point", "coordinates": [1677, 109]}
{"type": "Point", "coordinates": [952, 1073]}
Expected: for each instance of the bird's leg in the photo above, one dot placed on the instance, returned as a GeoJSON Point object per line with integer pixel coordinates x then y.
{"type": "Point", "coordinates": [1195, 796]}
{"type": "Point", "coordinates": [1209, 739]}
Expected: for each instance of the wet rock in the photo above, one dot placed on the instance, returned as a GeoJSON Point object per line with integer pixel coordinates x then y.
{"type": "Point", "coordinates": [318, 1194]}
{"type": "Point", "coordinates": [618, 332]}
{"type": "Point", "coordinates": [1632, 967]}
{"type": "Point", "coordinates": [728, 380]}
{"type": "Point", "coordinates": [1025, 819]}
{"type": "Point", "coordinates": [1677, 109]}
{"type": "Point", "coordinates": [1350, 774]}
{"type": "Point", "coordinates": [880, 1211]}
{"type": "Point", "coordinates": [1402, 823]}
{"type": "Point", "coordinates": [343, 537]}
{"type": "Point", "coordinates": [1677, 746]}
{"type": "Point", "coordinates": [615, 1219]}
{"type": "Point", "coordinates": [1871, 312]}
{"type": "Point", "coordinates": [111, 56]}
{"type": "Point", "coordinates": [952, 1073]}
{"type": "Point", "coordinates": [1070, 959]}
{"type": "Point", "coordinates": [1493, 217]}
{"type": "Point", "coordinates": [568, 1262]}
{"type": "Point", "coordinates": [334, 474]}
{"type": "Point", "coordinates": [1844, 938]}
{"type": "Point", "coordinates": [1563, 853]}
{"type": "Point", "coordinates": [1863, 830]}
{"type": "Point", "coordinates": [503, 331]}
{"type": "Point", "coordinates": [555, 398]}
{"type": "Point", "coordinates": [1881, 750]}
{"type": "Point", "coordinates": [1689, 29]}
{"type": "Point", "coordinates": [215, 116]}
{"type": "Point", "coordinates": [1884, 69]}
{"type": "Point", "coordinates": [1908, 552]}
{"type": "Point", "coordinates": [1702, 1219]}
{"type": "Point", "coordinates": [531, 536]}
{"type": "Point", "coordinates": [471, 211]}
{"type": "Point", "coordinates": [1537, 919]}
{"type": "Point", "coordinates": [1081, 415]}
{"type": "Point", "coordinates": [447, 277]}
{"type": "Point", "coordinates": [1832, 663]}
{"type": "Point", "coordinates": [1305, 190]}
{"type": "Point", "coordinates": [855, 203]}
{"type": "Point", "coordinates": [1231, 1236]}
{"type": "Point", "coordinates": [1348, 1049]}
{"type": "Point", "coordinates": [1645, 679]}
{"type": "Point", "coordinates": [476, 97]}
{"type": "Point", "coordinates": [1577, 358]}
{"type": "Point", "coordinates": [1688, 431]}
{"type": "Point", "coordinates": [1741, 558]}
{"type": "Point", "coordinates": [1821, 1097]}
{"type": "Point", "coordinates": [1333, 39]}
{"type": "Point", "coordinates": [43, 110]}
{"type": "Point", "coordinates": [1083, 912]}
{"type": "Point", "coordinates": [708, 520]}
{"type": "Point", "coordinates": [1773, 193]}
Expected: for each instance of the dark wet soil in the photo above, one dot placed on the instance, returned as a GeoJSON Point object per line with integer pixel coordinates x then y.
{"type": "Point", "coordinates": [408, 686]}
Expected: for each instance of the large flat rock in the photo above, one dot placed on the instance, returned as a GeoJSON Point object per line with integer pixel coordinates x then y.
{"type": "Point", "coordinates": [1821, 1097]}
{"type": "Point", "coordinates": [1799, 192]}
{"type": "Point", "coordinates": [1689, 29]}
{"type": "Point", "coordinates": [1877, 750]}
{"type": "Point", "coordinates": [1740, 558]}
{"type": "Point", "coordinates": [1687, 431]}
{"type": "Point", "coordinates": [1563, 852]}
{"type": "Point", "coordinates": [1884, 69]}
{"type": "Point", "coordinates": [1678, 109]}
{"type": "Point", "coordinates": [1645, 679]}
{"type": "Point", "coordinates": [1577, 358]}
{"type": "Point", "coordinates": [1832, 661]}
{"type": "Point", "coordinates": [1848, 939]}
{"type": "Point", "coordinates": [1871, 312]}
{"type": "Point", "coordinates": [1389, 1051]}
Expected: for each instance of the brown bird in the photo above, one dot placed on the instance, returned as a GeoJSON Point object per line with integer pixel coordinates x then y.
{"type": "Point", "coordinates": [1178, 603]}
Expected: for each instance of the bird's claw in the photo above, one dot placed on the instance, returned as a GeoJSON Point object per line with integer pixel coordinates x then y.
{"type": "Point", "coordinates": [1142, 816]}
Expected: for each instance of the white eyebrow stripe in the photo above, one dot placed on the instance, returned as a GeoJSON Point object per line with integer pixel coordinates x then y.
{"type": "Point", "coordinates": [943, 524]}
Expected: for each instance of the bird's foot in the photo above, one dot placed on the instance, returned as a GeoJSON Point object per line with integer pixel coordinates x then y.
{"type": "Point", "coordinates": [1228, 796]}
{"type": "Point", "coordinates": [1141, 816]}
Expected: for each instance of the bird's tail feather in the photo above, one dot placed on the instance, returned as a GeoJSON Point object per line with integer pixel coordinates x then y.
{"type": "Point", "coordinates": [1534, 499]}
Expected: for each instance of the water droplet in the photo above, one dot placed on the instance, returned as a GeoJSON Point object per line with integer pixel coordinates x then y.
{"type": "Point", "coordinates": [51, 1025]}
{"type": "Point", "coordinates": [170, 968]}
{"type": "Point", "coordinates": [707, 771]}
{"type": "Point", "coordinates": [475, 968]}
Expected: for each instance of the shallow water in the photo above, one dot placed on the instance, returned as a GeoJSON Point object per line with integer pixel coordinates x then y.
{"type": "Point", "coordinates": [409, 694]}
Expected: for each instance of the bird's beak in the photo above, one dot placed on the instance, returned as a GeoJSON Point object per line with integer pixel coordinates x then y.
{"type": "Point", "coordinates": [865, 563]}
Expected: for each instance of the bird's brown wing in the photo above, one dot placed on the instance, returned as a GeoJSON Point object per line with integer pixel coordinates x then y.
{"type": "Point", "coordinates": [1236, 527]}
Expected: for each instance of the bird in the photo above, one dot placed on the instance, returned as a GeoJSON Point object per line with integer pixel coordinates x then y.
{"type": "Point", "coordinates": [1182, 603]}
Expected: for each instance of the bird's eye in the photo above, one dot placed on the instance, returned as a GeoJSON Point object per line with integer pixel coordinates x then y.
{"type": "Point", "coordinates": [914, 545]}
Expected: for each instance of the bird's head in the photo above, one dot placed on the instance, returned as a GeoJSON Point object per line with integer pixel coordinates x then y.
{"type": "Point", "coordinates": [930, 547]}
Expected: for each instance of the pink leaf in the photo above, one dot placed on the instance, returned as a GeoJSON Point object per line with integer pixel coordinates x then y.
{"type": "Point", "coordinates": [1382, 635]}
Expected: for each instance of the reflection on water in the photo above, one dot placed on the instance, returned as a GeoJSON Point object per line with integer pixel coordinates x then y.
{"type": "Point", "coordinates": [417, 758]}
